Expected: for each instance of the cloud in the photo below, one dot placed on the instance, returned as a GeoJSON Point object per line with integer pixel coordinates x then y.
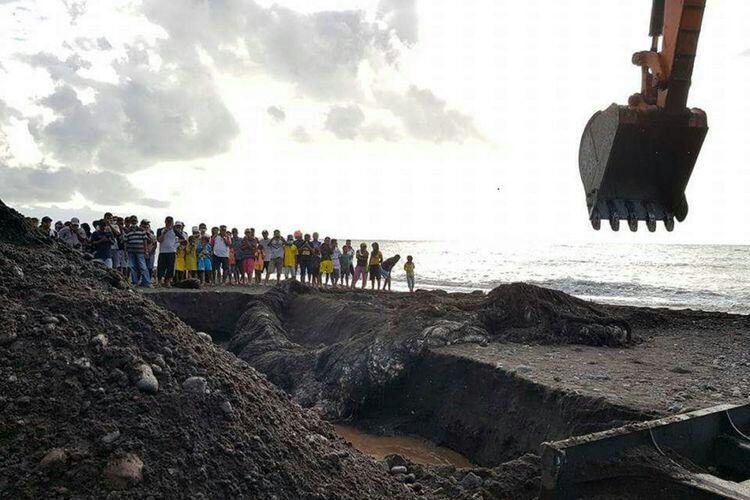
{"type": "Point", "coordinates": [320, 53]}
{"type": "Point", "coordinates": [427, 117]}
{"type": "Point", "coordinates": [745, 53]}
{"type": "Point", "coordinates": [46, 185]}
{"type": "Point", "coordinates": [276, 113]}
{"type": "Point", "coordinates": [345, 121]}
{"type": "Point", "coordinates": [150, 115]}
{"type": "Point", "coordinates": [300, 134]}
{"type": "Point", "coordinates": [401, 16]}
{"type": "Point", "coordinates": [377, 131]}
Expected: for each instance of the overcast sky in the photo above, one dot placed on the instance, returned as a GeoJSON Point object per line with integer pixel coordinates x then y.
{"type": "Point", "coordinates": [400, 119]}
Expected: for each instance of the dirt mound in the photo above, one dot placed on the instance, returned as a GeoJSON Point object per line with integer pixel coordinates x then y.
{"type": "Point", "coordinates": [526, 313]}
{"type": "Point", "coordinates": [101, 390]}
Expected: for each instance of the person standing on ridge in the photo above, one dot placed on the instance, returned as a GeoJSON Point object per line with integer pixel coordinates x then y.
{"type": "Point", "coordinates": [290, 258]}
{"type": "Point", "coordinates": [136, 242]}
{"type": "Point", "coordinates": [376, 259]}
{"type": "Point", "coordinates": [304, 258]}
{"type": "Point", "coordinates": [326, 261]}
{"type": "Point", "coordinates": [221, 244]}
{"type": "Point", "coordinates": [387, 268]}
{"type": "Point", "coordinates": [168, 239]}
{"type": "Point", "coordinates": [409, 268]}
{"type": "Point", "coordinates": [363, 258]}
{"type": "Point", "coordinates": [275, 249]}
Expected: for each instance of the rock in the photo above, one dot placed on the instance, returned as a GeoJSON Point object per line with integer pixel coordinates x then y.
{"type": "Point", "coordinates": [156, 369]}
{"type": "Point", "coordinates": [111, 437]}
{"type": "Point", "coordinates": [124, 471]}
{"type": "Point", "coordinates": [681, 370]}
{"type": "Point", "coordinates": [471, 481]}
{"type": "Point", "coordinates": [50, 320]}
{"type": "Point", "coordinates": [16, 271]}
{"type": "Point", "coordinates": [226, 407]}
{"type": "Point", "coordinates": [416, 487]}
{"type": "Point", "coordinates": [736, 392]}
{"type": "Point", "coordinates": [100, 341]}
{"type": "Point", "coordinates": [398, 469]}
{"type": "Point", "coordinates": [524, 369]}
{"type": "Point", "coordinates": [7, 337]}
{"type": "Point", "coordinates": [82, 363]}
{"type": "Point", "coordinates": [675, 408]}
{"type": "Point", "coordinates": [409, 479]}
{"type": "Point", "coordinates": [197, 385]}
{"type": "Point", "coordinates": [55, 456]}
{"type": "Point", "coordinates": [206, 337]}
{"type": "Point", "coordinates": [146, 380]}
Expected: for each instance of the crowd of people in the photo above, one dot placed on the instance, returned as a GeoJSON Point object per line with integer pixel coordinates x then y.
{"type": "Point", "coordinates": [223, 257]}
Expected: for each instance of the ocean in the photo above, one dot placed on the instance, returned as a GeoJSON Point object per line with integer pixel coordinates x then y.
{"type": "Point", "coordinates": [705, 277]}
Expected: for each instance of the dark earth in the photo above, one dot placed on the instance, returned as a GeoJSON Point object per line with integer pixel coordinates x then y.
{"type": "Point", "coordinates": [106, 393]}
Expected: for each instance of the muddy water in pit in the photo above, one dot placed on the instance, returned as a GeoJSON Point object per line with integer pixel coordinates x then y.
{"type": "Point", "coordinates": [414, 449]}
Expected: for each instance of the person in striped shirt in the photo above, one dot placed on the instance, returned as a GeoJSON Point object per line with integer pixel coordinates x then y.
{"type": "Point", "coordinates": [137, 243]}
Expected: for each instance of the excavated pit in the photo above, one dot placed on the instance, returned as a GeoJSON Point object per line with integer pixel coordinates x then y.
{"type": "Point", "coordinates": [492, 376]}
{"type": "Point", "coordinates": [377, 361]}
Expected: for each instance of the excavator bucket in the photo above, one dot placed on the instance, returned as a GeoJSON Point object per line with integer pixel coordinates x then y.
{"type": "Point", "coordinates": [635, 164]}
{"type": "Point", "coordinates": [702, 454]}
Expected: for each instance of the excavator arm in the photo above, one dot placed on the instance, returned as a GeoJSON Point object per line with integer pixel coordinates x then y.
{"type": "Point", "coordinates": [636, 160]}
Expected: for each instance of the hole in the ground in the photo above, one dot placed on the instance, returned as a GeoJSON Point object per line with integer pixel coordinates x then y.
{"type": "Point", "coordinates": [335, 351]}
{"type": "Point", "coordinates": [377, 363]}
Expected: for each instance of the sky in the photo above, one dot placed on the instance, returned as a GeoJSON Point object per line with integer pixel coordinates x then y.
{"type": "Point", "coordinates": [390, 119]}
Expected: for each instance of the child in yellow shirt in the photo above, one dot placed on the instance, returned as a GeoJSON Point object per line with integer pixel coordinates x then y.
{"type": "Point", "coordinates": [409, 268]}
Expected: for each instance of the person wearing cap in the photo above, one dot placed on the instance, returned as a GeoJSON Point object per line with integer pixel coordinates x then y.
{"type": "Point", "coordinates": [168, 237]}
{"type": "Point", "coordinates": [362, 256]}
{"type": "Point", "coordinates": [46, 226]}
{"type": "Point", "coordinates": [136, 241]}
{"type": "Point", "coordinates": [72, 235]}
{"type": "Point", "coordinates": [290, 258]}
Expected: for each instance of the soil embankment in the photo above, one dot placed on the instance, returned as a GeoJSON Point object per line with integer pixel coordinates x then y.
{"type": "Point", "coordinates": [102, 391]}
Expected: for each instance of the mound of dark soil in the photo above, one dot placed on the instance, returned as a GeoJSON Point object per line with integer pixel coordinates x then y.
{"type": "Point", "coordinates": [526, 313]}
{"type": "Point", "coordinates": [101, 390]}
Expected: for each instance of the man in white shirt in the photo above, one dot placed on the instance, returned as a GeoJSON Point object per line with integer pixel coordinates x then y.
{"type": "Point", "coordinates": [221, 243]}
{"type": "Point", "coordinates": [168, 237]}
{"type": "Point", "coordinates": [275, 255]}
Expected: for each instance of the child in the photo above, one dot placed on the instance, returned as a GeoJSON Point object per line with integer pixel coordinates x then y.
{"type": "Point", "coordinates": [191, 257]}
{"type": "Point", "coordinates": [179, 261]}
{"type": "Point", "coordinates": [409, 268]}
{"type": "Point", "coordinates": [315, 267]}
{"type": "Point", "coordinates": [205, 264]}
{"type": "Point", "coordinates": [290, 258]}
{"type": "Point", "coordinates": [260, 256]}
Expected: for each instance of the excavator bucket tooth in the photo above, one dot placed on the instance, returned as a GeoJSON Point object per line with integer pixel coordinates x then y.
{"type": "Point", "coordinates": [636, 164]}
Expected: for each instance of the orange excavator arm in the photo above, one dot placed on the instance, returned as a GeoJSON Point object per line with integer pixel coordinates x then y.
{"type": "Point", "coordinates": [636, 160]}
{"type": "Point", "coordinates": [667, 73]}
